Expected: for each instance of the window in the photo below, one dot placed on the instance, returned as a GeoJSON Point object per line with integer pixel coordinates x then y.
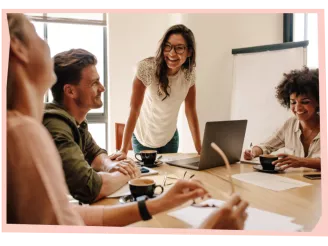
{"type": "Point", "coordinates": [306, 28]}
{"type": "Point", "coordinates": [97, 131]}
{"type": "Point", "coordinates": [64, 31]}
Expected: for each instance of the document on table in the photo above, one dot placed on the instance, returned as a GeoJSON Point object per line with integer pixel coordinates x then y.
{"type": "Point", "coordinates": [255, 161]}
{"type": "Point", "coordinates": [258, 220]}
{"type": "Point", "coordinates": [269, 181]}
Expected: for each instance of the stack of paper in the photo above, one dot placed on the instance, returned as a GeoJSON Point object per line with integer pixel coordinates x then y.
{"type": "Point", "coordinates": [258, 220]}
{"type": "Point", "coordinates": [269, 181]}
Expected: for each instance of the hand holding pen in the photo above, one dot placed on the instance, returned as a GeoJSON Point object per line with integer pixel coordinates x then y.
{"type": "Point", "coordinates": [248, 154]}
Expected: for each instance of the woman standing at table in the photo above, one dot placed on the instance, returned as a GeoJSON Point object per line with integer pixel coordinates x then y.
{"type": "Point", "coordinates": [161, 84]}
{"type": "Point", "coordinates": [32, 157]}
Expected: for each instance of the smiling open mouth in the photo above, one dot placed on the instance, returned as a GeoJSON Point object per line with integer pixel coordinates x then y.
{"type": "Point", "coordinates": [173, 60]}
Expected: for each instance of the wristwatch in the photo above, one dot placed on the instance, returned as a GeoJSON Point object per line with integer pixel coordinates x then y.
{"type": "Point", "coordinates": [145, 215]}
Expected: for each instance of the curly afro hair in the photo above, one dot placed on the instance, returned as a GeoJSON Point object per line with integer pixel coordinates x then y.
{"type": "Point", "coordinates": [301, 82]}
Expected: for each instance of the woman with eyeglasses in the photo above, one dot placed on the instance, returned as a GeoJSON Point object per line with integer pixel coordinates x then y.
{"type": "Point", "coordinates": [160, 86]}
{"type": "Point", "coordinates": [36, 188]}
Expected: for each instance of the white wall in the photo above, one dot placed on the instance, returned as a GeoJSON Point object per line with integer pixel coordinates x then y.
{"type": "Point", "coordinates": [216, 35]}
{"type": "Point", "coordinates": [133, 37]}
{"type": "Point", "coordinates": [262, 70]}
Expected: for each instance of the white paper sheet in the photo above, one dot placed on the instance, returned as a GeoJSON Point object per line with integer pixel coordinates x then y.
{"type": "Point", "coordinates": [269, 181]}
{"type": "Point", "coordinates": [257, 219]}
{"type": "Point", "coordinates": [255, 161]}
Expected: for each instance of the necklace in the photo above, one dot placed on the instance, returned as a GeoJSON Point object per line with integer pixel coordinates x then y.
{"type": "Point", "coordinates": [306, 138]}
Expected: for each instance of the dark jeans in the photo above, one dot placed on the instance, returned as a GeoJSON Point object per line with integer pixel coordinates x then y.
{"type": "Point", "coordinates": [171, 147]}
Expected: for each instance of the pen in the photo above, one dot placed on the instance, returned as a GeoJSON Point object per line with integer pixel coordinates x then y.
{"type": "Point", "coordinates": [250, 146]}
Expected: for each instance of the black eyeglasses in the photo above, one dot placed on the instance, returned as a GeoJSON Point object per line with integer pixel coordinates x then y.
{"type": "Point", "coordinates": [179, 49]}
{"type": "Point", "coordinates": [175, 178]}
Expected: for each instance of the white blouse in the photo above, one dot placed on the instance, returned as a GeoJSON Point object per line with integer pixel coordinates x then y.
{"type": "Point", "coordinates": [158, 118]}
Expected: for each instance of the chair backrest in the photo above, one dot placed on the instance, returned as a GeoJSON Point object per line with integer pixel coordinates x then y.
{"type": "Point", "coordinates": [119, 130]}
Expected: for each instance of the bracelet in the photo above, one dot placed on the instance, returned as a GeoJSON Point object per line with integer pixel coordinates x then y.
{"type": "Point", "coordinates": [143, 210]}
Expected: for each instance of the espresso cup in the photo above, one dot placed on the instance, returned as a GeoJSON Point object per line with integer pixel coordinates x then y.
{"type": "Point", "coordinates": [144, 187]}
{"type": "Point", "coordinates": [266, 161]}
{"type": "Point", "coordinates": [148, 157]}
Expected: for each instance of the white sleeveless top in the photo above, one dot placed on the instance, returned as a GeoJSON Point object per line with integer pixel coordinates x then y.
{"type": "Point", "coordinates": [157, 121]}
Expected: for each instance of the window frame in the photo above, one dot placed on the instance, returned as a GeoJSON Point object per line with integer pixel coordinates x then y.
{"type": "Point", "coordinates": [91, 117]}
{"type": "Point", "coordinates": [290, 21]}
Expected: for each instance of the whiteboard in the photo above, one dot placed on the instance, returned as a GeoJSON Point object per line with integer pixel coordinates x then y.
{"type": "Point", "coordinates": [255, 76]}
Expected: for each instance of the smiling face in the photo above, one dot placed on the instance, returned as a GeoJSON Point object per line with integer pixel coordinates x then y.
{"type": "Point", "coordinates": [299, 92]}
{"type": "Point", "coordinates": [304, 107]}
{"type": "Point", "coordinates": [175, 53]}
{"type": "Point", "coordinates": [89, 89]}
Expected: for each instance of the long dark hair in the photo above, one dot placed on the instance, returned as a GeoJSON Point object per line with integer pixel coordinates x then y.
{"type": "Point", "coordinates": [161, 67]}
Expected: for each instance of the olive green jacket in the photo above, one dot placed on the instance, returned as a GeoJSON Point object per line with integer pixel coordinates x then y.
{"type": "Point", "coordinates": [77, 150]}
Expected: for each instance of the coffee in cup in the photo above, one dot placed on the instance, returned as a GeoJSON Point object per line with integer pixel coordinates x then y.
{"type": "Point", "coordinates": [144, 187]}
{"type": "Point", "coordinates": [148, 157]}
{"type": "Point", "coordinates": [266, 161]}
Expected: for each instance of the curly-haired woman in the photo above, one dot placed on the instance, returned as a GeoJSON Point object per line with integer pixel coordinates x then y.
{"type": "Point", "coordinates": [299, 92]}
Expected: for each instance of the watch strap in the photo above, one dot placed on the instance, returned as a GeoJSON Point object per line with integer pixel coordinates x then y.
{"type": "Point", "coordinates": [144, 213]}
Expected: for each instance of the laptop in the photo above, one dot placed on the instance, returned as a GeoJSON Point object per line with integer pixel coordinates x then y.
{"type": "Point", "coordinates": [228, 135]}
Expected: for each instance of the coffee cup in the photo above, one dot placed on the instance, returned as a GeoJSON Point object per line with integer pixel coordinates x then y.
{"type": "Point", "coordinates": [266, 161]}
{"type": "Point", "coordinates": [148, 157]}
{"type": "Point", "coordinates": [144, 187]}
